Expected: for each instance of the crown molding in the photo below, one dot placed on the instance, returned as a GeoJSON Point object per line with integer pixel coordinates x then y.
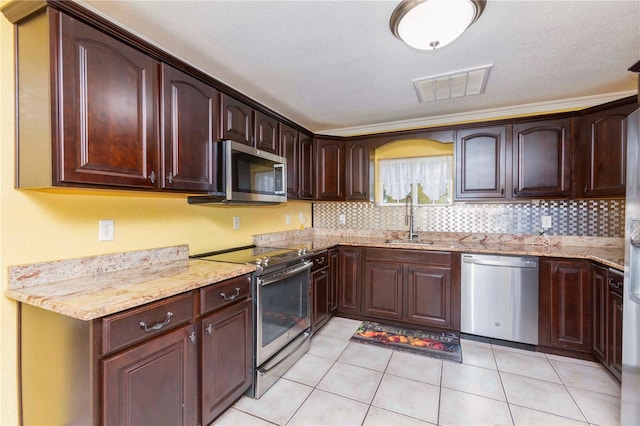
{"type": "Point", "coordinates": [481, 115]}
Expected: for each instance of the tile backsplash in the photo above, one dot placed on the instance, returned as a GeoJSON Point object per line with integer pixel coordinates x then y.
{"type": "Point", "coordinates": [592, 218]}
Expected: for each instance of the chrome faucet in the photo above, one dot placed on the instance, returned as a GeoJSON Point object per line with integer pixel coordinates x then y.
{"type": "Point", "coordinates": [409, 217]}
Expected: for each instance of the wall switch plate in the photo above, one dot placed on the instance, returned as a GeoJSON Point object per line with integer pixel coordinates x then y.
{"type": "Point", "coordinates": [236, 222]}
{"type": "Point", "coordinates": [342, 219]}
{"type": "Point", "coordinates": [546, 222]}
{"type": "Point", "coordinates": [287, 219]}
{"type": "Point", "coordinates": [105, 230]}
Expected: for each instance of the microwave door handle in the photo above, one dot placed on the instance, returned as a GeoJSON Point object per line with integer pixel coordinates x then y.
{"type": "Point", "coordinates": [279, 169]}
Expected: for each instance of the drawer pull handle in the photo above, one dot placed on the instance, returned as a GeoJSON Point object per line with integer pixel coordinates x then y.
{"type": "Point", "coordinates": [319, 261]}
{"type": "Point", "coordinates": [209, 329]}
{"type": "Point", "coordinates": [233, 296]}
{"type": "Point", "coordinates": [614, 284]}
{"type": "Point", "coordinates": [158, 325]}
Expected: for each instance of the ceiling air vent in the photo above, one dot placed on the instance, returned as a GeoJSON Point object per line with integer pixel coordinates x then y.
{"type": "Point", "coordinates": [455, 84]}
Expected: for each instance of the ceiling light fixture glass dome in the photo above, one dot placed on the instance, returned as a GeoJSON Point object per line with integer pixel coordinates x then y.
{"type": "Point", "coordinates": [432, 24]}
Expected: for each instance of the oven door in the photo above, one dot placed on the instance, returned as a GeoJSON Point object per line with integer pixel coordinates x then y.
{"type": "Point", "coordinates": [283, 311]}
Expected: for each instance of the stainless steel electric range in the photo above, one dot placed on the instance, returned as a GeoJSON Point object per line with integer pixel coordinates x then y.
{"type": "Point", "coordinates": [281, 308]}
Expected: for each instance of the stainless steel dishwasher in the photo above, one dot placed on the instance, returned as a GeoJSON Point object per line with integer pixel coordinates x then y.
{"type": "Point", "coordinates": [500, 297]}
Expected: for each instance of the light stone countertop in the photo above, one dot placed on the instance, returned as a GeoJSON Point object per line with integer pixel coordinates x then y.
{"type": "Point", "coordinates": [92, 296]}
{"type": "Point", "coordinates": [609, 252]}
{"type": "Point", "coordinates": [102, 285]}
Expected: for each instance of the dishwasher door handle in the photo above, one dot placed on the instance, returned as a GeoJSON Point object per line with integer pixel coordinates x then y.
{"type": "Point", "coordinates": [508, 263]}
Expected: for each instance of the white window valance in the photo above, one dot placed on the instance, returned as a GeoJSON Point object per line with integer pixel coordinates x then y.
{"type": "Point", "coordinates": [432, 173]}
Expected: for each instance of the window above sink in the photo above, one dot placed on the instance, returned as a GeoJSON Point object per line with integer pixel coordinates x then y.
{"type": "Point", "coordinates": [420, 168]}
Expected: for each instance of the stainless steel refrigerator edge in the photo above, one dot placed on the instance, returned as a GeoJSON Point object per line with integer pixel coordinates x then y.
{"type": "Point", "coordinates": [630, 400]}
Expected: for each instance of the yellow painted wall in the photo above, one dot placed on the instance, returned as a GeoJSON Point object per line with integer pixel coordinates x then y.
{"type": "Point", "coordinates": [40, 226]}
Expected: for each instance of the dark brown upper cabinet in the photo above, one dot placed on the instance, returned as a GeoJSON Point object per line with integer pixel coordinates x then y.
{"type": "Point", "coordinates": [480, 156]}
{"type": "Point", "coordinates": [601, 155]}
{"type": "Point", "coordinates": [102, 99]}
{"type": "Point", "coordinates": [329, 183]}
{"type": "Point", "coordinates": [356, 175]}
{"type": "Point", "coordinates": [267, 133]}
{"type": "Point", "coordinates": [190, 110]}
{"type": "Point", "coordinates": [237, 120]}
{"type": "Point", "coordinates": [305, 169]}
{"type": "Point", "coordinates": [289, 149]}
{"type": "Point", "coordinates": [542, 159]}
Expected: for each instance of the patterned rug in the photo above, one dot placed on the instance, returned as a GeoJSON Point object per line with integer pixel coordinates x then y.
{"type": "Point", "coordinates": [429, 343]}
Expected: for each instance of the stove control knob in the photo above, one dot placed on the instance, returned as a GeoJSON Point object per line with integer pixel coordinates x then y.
{"type": "Point", "coordinates": [266, 260]}
{"type": "Point", "coordinates": [302, 252]}
{"type": "Point", "coordinates": [259, 261]}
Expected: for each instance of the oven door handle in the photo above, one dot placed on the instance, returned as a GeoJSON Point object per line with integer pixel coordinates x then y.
{"type": "Point", "coordinates": [272, 278]}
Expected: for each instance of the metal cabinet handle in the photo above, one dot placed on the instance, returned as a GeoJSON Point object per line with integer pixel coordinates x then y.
{"type": "Point", "coordinates": [515, 191]}
{"type": "Point", "coordinates": [321, 260]}
{"type": "Point", "coordinates": [170, 178]}
{"type": "Point", "coordinates": [158, 325]}
{"type": "Point", "coordinates": [192, 337]}
{"type": "Point", "coordinates": [585, 189]}
{"type": "Point", "coordinates": [209, 329]}
{"type": "Point", "coordinates": [556, 269]}
{"type": "Point", "coordinates": [233, 296]}
{"type": "Point", "coordinates": [152, 177]}
{"type": "Point", "coordinates": [614, 284]}
{"type": "Point", "coordinates": [323, 272]}
{"type": "Point", "coordinates": [502, 191]}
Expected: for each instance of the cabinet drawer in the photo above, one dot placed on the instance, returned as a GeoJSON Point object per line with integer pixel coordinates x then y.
{"type": "Point", "coordinates": [224, 293]}
{"type": "Point", "coordinates": [134, 325]}
{"type": "Point", "coordinates": [320, 260]}
{"type": "Point", "coordinates": [422, 257]}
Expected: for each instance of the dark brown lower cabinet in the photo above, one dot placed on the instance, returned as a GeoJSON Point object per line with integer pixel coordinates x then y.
{"type": "Point", "coordinates": [333, 280]}
{"type": "Point", "coordinates": [565, 304]}
{"type": "Point", "coordinates": [607, 317]}
{"type": "Point", "coordinates": [349, 276]}
{"type": "Point", "coordinates": [226, 358]}
{"type": "Point", "coordinates": [320, 293]}
{"type": "Point", "coordinates": [154, 383]}
{"type": "Point", "coordinates": [412, 286]}
{"type": "Point", "coordinates": [182, 360]}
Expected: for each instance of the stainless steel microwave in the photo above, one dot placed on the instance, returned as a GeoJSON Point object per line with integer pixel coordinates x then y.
{"type": "Point", "coordinates": [248, 176]}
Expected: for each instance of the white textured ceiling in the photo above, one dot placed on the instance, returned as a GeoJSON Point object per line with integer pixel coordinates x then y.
{"type": "Point", "coordinates": [336, 68]}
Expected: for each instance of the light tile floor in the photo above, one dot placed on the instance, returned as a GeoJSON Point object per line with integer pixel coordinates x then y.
{"type": "Point", "coordinates": [343, 383]}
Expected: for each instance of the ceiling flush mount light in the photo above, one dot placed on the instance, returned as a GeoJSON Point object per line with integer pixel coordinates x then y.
{"type": "Point", "coordinates": [432, 24]}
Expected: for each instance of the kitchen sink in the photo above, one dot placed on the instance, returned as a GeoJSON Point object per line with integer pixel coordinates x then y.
{"type": "Point", "coordinates": [408, 241]}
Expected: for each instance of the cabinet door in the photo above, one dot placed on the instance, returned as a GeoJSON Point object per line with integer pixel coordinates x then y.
{"type": "Point", "coordinates": [565, 287]}
{"type": "Point", "coordinates": [481, 163]}
{"type": "Point", "coordinates": [320, 281]}
{"type": "Point", "coordinates": [267, 133]}
{"type": "Point", "coordinates": [305, 171]}
{"type": "Point", "coordinates": [356, 177]}
{"type": "Point", "coordinates": [226, 358]}
{"type": "Point", "coordinates": [153, 383]}
{"type": "Point", "coordinates": [603, 145]}
{"type": "Point", "coordinates": [190, 127]}
{"type": "Point", "coordinates": [108, 110]}
{"type": "Point", "coordinates": [329, 157]}
{"type": "Point", "coordinates": [615, 333]}
{"type": "Point", "coordinates": [333, 280]}
{"type": "Point", "coordinates": [237, 120]}
{"type": "Point", "coordinates": [289, 149]}
{"type": "Point", "coordinates": [382, 290]}
{"type": "Point", "coordinates": [349, 286]}
{"type": "Point", "coordinates": [542, 159]}
{"type": "Point", "coordinates": [429, 296]}
{"type": "Point", "coordinates": [600, 288]}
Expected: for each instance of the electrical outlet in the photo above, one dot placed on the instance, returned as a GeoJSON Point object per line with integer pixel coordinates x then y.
{"type": "Point", "coordinates": [105, 230]}
{"type": "Point", "coordinates": [301, 217]}
{"type": "Point", "coordinates": [287, 219]}
{"type": "Point", "coordinates": [236, 222]}
{"type": "Point", "coordinates": [546, 222]}
{"type": "Point", "coordinates": [342, 219]}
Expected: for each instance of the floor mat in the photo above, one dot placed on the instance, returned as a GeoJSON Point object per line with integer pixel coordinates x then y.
{"type": "Point", "coordinates": [423, 342]}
